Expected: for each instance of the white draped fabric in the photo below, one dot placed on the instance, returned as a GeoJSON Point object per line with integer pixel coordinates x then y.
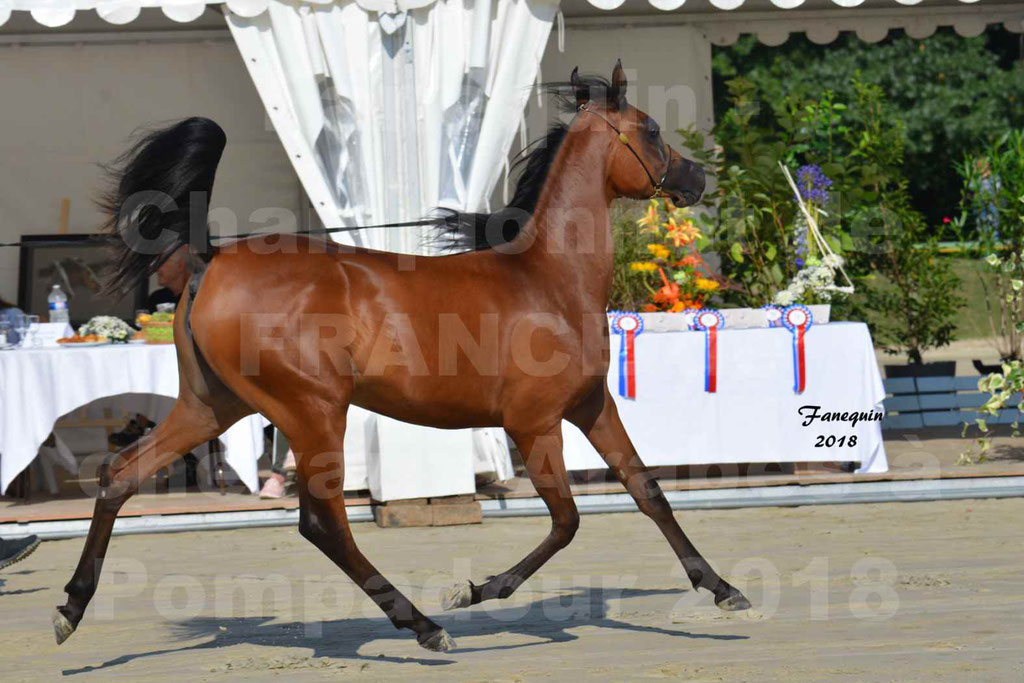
{"type": "Point", "coordinates": [370, 107]}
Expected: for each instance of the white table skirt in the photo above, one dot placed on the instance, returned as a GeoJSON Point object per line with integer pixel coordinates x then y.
{"type": "Point", "coordinates": [38, 386]}
{"type": "Point", "coordinates": [753, 417]}
{"type": "Point", "coordinates": [394, 460]}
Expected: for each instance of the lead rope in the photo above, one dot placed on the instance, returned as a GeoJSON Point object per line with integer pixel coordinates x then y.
{"type": "Point", "coordinates": [113, 238]}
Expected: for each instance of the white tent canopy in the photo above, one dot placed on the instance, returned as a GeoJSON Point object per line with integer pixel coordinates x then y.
{"type": "Point", "coordinates": [55, 13]}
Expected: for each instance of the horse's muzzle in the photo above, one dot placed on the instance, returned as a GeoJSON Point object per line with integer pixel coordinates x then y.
{"type": "Point", "coordinates": [685, 182]}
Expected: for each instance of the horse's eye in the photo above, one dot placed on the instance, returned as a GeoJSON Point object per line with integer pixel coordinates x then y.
{"type": "Point", "coordinates": [653, 130]}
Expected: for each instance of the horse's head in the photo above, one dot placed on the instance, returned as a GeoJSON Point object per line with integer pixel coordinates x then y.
{"type": "Point", "coordinates": [641, 165]}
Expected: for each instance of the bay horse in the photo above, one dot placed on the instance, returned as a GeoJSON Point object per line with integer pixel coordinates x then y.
{"type": "Point", "coordinates": [512, 333]}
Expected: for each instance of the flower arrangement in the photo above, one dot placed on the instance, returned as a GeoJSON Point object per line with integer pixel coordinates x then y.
{"type": "Point", "coordinates": [815, 281]}
{"type": "Point", "coordinates": [813, 284]}
{"type": "Point", "coordinates": [813, 186]}
{"type": "Point", "coordinates": [112, 328]}
{"type": "Point", "coordinates": [675, 273]}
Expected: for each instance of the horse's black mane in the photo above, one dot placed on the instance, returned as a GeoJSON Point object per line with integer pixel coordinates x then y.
{"type": "Point", "coordinates": [458, 231]}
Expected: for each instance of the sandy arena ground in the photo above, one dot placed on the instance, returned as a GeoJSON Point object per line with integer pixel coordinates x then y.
{"type": "Point", "coordinates": [919, 591]}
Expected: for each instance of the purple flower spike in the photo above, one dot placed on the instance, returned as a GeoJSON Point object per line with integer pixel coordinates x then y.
{"type": "Point", "coordinates": [813, 184]}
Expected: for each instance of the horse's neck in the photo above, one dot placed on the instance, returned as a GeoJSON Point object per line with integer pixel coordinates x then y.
{"type": "Point", "coordinates": [571, 229]}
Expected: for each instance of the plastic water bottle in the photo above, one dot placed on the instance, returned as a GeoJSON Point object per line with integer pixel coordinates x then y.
{"type": "Point", "coordinates": [58, 302]}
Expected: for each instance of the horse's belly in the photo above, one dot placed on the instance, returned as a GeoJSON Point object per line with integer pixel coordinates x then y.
{"type": "Point", "coordinates": [442, 402]}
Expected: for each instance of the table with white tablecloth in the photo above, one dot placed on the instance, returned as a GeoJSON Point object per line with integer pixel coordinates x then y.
{"type": "Point", "coordinates": [393, 459]}
{"type": "Point", "coordinates": [38, 386]}
{"type": "Point", "coordinates": [754, 415]}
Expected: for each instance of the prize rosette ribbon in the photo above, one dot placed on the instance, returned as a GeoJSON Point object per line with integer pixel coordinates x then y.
{"type": "Point", "coordinates": [689, 318]}
{"type": "Point", "coordinates": [798, 319]}
{"type": "Point", "coordinates": [710, 321]}
{"type": "Point", "coordinates": [773, 314]}
{"type": "Point", "coordinates": [627, 325]}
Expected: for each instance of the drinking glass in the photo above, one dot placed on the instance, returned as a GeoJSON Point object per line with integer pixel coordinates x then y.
{"type": "Point", "coordinates": [21, 326]}
{"type": "Point", "coordinates": [33, 320]}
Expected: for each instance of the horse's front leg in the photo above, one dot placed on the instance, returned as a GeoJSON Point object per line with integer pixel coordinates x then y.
{"type": "Point", "coordinates": [599, 421]}
{"type": "Point", "coordinates": [542, 455]}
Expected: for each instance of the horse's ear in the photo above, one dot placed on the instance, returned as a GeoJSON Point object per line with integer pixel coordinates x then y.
{"type": "Point", "coordinates": [617, 95]}
{"type": "Point", "coordinates": [581, 91]}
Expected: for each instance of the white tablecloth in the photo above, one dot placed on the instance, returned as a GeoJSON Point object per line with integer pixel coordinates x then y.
{"type": "Point", "coordinates": [38, 386]}
{"type": "Point", "coordinates": [393, 459]}
{"type": "Point", "coordinates": [753, 417]}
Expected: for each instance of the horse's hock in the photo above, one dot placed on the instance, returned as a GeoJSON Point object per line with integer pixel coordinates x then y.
{"type": "Point", "coordinates": [443, 511]}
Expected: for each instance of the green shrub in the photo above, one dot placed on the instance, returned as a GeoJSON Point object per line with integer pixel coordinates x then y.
{"type": "Point", "coordinates": [992, 207]}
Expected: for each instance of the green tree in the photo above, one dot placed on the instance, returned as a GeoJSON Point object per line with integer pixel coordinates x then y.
{"type": "Point", "coordinates": [951, 94]}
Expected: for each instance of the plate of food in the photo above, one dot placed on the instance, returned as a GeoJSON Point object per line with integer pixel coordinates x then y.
{"type": "Point", "coordinates": [79, 341]}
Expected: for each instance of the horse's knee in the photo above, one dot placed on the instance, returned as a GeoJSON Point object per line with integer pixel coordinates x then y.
{"type": "Point", "coordinates": [650, 499]}
{"type": "Point", "coordinates": [319, 530]}
{"type": "Point", "coordinates": [564, 528]}
{"type": "Point", "coordinates": [310, 529]}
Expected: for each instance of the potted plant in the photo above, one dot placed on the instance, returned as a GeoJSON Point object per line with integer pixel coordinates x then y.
{"type": "Point", "coordinates": [1002, 385]}
{"type": "Point", "coordinates": [910, 297]}
{"type": "Point", "coordinates": [992, 213]}
{"type": "Point", "coordinates": [914, 297]}
{"type": "Point", "coordinates": [756, 222]}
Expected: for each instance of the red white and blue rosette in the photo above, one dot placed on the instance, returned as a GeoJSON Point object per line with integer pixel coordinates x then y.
{"type": "Point", "coordinates": [773, 314]}
{"type": "Point", "coordinates": [627, 325]}
{"type": "Point", "coordinates": [689, 318]}
{"type": "Point", "coordinates": [709, 321]}
{"type": "Point", "coordinates": [798, 319]}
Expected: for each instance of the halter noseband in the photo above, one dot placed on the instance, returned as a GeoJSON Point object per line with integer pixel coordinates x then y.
{"type": "Point", "coordinates": [656, 184]}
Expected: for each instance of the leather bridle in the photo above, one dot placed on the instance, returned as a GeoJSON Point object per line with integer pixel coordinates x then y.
{"type": "Point", "coordinates": [656, 184]}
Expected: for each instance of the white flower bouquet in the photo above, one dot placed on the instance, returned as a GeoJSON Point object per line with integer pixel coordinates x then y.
{"type": "Point", "coordinates": [114, 329]}
{"type": "Point", "coordinates": [814, 284]}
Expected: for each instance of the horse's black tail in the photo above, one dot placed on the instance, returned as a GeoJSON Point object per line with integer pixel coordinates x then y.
{"type": "Point", "coordinates": [159, 198]}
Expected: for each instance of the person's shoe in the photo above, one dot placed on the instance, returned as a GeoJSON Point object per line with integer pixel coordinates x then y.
{"type": "Point", "coordinates": [272, 488]}
{"type": "Point", "coordinates": [289, 462]}
{"type": "Point", "coordinates": [16, 550]}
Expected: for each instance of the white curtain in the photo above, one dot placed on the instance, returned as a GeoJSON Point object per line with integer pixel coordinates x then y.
{"type": "Point", "coordinates": [389, 111]}
{"type": "Point", "coordinates": [388, 115]}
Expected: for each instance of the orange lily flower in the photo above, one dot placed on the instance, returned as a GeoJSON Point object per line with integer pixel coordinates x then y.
{"type": "Point", "coordinates": [651, 218]}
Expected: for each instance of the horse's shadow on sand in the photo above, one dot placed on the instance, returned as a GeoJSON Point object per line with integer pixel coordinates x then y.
{"type": "Point", "coordinates": [549, 619]}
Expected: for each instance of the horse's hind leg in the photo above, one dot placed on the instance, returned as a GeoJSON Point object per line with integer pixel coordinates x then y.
{"type": "Point", "coordinates": [324, 522]}
{"type": "Point", "coordinates": [600, 422]}
{"type": "Point", "coordinates": [189, 424]}
{"type": "Point", "coordinates": [542, 456]}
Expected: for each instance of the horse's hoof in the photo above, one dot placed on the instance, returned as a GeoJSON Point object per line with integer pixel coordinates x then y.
{"type": "Point", "coordinates": [62, 628]}
{"type": "Point", "coordinates": [734, 601]}
{"type": "Point", "coordinates": [459, 595]}
{"type": "Point", "coordinates": [438, 641]}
